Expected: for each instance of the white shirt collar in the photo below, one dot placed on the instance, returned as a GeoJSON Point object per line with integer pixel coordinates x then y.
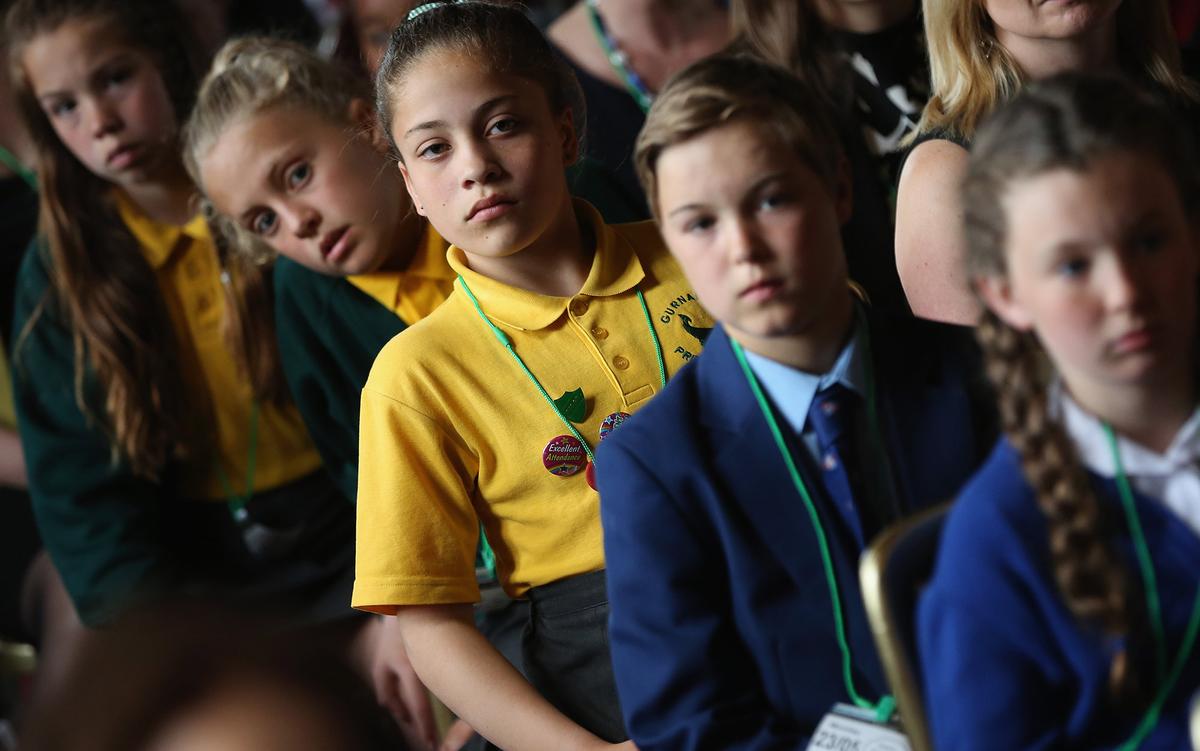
{"type": "Point", "coordinates": [1172, 476]}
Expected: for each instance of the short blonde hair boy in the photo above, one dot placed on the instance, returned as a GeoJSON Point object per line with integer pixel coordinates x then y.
{"type": "Point", "coordinates": [724, 88]}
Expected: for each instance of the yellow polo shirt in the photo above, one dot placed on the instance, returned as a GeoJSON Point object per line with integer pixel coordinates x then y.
{"type": "Point", "coordinates": [185, 263]}
{"type": "Point", "coordinates": [417, 291]}
{"type": "Point", "coordinates": [452, 431]}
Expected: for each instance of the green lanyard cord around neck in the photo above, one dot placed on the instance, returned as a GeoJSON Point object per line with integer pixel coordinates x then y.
{"type": "Point", "coordinates": [886, 706]}
{"type": "Point", "coordinates": [1150, 584]}
{"type": "Point", "coordinates": [634, 84]}
{"type": "Point", "coordinates": [504, 340]}
{"type": "Point", "coordinates": [8, 159]}
{"type": "Point", "coordinates": [237, 503]}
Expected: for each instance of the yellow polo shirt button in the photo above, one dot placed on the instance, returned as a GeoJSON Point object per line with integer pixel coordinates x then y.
{"type": "Point", "coordinates": [600, 332]}
{"type": "Point", "coordinates": [621, 362]}
{"type": "Point", "coordinates": [579, 307]}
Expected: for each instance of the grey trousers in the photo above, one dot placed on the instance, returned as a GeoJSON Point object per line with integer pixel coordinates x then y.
{"type": "Point", "coordinates": [566, 653]}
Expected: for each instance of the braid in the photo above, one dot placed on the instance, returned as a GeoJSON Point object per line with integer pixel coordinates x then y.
{"type": "Point", "coordinates": [1092, 579]}
{"type": "Point", "coordinates": [1066, 122]}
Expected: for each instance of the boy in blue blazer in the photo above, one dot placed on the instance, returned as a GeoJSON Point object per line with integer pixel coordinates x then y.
{"type": "Point", "coordinates": [737, 503]}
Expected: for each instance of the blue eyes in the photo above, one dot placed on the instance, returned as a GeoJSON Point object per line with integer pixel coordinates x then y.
{"type": "Point", "coordinates": [264, 222]}
{"type": "Point", "coordinates": [119, 76]}
{"type": "Point", "coordinates": [1072, 268]}
{"type": "Point", "coordinates": [65, 107]}
{"type": "Point", "coordinates": [102, 81]}
{"type": "Point", "coordinates": [298, 175]}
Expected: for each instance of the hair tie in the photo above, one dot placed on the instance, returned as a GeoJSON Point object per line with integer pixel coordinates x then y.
{"type": "Point", "coordinates": [430, 6]}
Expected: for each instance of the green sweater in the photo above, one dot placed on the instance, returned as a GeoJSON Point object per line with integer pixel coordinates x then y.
{"type": "Point", "coordinates": [329, 332]}
{"type": "Point", "coordinates": [119, 539]}
{"type": "Point", "coordinates": [99, 521]}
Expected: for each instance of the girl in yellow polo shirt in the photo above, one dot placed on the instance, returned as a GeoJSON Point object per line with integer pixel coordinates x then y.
{"type": "Point", "coordinates": [560, 326]}
{"type": "Point", "coordinates": [160, 464]}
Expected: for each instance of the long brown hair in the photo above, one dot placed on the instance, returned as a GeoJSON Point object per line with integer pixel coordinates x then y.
{"type": "Point", "coordinates": [1065, 122]}
{"type": "Point", "coordinates": [108, 295]}
{"type": "Point", "coordinates": [790, 34]}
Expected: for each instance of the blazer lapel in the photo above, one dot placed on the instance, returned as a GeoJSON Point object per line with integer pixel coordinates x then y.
{"type": "Point", "coordinates": [749, 465]}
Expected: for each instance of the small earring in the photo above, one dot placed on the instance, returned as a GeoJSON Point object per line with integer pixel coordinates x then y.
{"type": "Point", "coordinates": [986, 44]}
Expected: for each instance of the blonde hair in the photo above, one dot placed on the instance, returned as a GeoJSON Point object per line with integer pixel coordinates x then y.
{"type": "Point", "coordinates": [971, 73]}
{"type": "Point", "coordinates": [248, 76]}
{"type": "Point", "coordinates": [725, 88]}
{"type": "Point", "coordinates": [251, 75]}
{"type": "Point", "coordinates": [1066, 122]}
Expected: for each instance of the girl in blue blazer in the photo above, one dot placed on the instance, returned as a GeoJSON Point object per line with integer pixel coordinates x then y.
{"type": "Point", "coordinates": [1064, 609]}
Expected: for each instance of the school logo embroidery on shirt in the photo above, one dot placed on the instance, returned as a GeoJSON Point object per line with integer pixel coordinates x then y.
{"type": "Point", "coordinates": [691, 317]}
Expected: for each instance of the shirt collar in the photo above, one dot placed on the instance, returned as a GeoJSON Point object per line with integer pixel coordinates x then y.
{"type": "Point", "coordinates": [615, 269]}
{"type": "Point", "coordinates": [158, 241]}
{"type": "Point", "coordinates": [792, 391]}
{"type": "Point", "coordinates": [1092, 443]}
{"type": "Point", "coordinates": [428, 262]}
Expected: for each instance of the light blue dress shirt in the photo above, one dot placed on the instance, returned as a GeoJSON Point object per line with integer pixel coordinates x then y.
{"type": "Point", "coordinates": [792, 391]}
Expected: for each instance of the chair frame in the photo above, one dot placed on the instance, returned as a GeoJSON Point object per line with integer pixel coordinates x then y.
{"type": "Point", "coordinates": [886, 625]}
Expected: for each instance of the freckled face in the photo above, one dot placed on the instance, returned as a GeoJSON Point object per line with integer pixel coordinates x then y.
{"type": "Point", "coordinates": [105, 100]}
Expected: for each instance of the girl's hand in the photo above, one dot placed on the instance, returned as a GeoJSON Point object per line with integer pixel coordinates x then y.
{"type": "Point", "coordinates": [397, 687]}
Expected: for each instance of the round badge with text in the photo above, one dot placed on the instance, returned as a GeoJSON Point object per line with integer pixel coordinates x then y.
{"type": "Point", "coordinates": [564, 456]}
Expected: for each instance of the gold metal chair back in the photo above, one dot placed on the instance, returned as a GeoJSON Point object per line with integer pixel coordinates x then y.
{"type": "Point", "coordinates": [892, 571]}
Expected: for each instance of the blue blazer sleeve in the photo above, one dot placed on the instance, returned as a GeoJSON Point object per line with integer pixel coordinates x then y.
{"type": "Point", "coordinates": [684, 678]}
{"type": "Point", "coordinates": [995, 678]}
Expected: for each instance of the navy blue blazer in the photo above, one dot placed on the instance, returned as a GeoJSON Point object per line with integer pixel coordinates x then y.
{"type": "Point", "coordinates": [722, 628]}
{"type": "Point", "coordinates": [1037, 678]}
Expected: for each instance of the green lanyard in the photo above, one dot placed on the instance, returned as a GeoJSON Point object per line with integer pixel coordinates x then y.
{"type": "Point", "coordinates": [887, 704]}
{"type": "Point", "coordinates": [503, 339]}
{"type": "Point", "coordinates": [1153, 605]}
{"type": "Point", "coordinates": [617, 59]}
{"type": "Point", "coordinates": [237, 503]}
{"type": "Point", "coordinates": [9, 160]}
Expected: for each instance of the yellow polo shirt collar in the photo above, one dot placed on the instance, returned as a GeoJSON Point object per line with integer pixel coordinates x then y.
{"type": "Point", "coordinates": [428, 262]}
{"type": "Point", "coordinates": [615, 269]}
{"type": "Point", "coordinates": [158, 241]}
